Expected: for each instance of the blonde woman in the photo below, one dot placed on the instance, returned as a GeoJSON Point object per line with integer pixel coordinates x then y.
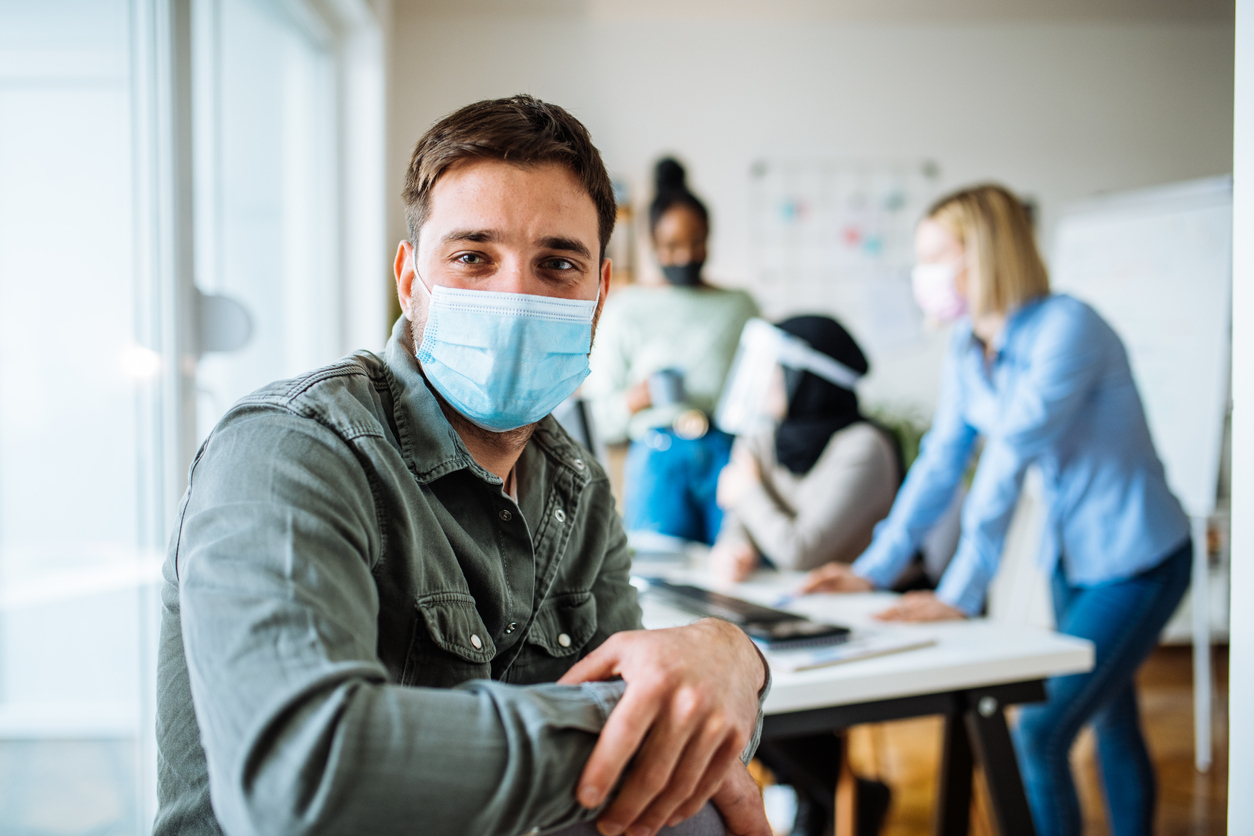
{"type": "Point", "coordinates": [1045, 381]}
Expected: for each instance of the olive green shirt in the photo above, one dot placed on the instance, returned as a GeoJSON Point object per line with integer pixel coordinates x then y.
{"type": "Point", "coordinates": [356, 618]}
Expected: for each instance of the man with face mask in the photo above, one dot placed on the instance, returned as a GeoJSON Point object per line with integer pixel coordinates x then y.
{"type": "Point", "coordinates": [397, 599]}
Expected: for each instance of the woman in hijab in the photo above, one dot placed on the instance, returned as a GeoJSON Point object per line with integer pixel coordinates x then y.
{"type": "Point", "coordinates": [804, 492]}
{"type": "Point", "coordinates": [810, 490]}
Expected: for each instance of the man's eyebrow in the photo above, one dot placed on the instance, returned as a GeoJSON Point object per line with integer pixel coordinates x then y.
{"type": "Point", "coordinates": [478, 236]}
{"type": "Point", "coordinates": [569, 245]}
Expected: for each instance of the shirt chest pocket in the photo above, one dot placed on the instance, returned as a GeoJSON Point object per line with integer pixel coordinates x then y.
{"type": "Point", "coordinates": [450, 644]}
{"type": "Point", "coordinates": [558, 637]}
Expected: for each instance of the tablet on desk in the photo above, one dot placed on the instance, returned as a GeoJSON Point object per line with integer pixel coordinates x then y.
{"type": "Point", "coordinates": [771, 628]}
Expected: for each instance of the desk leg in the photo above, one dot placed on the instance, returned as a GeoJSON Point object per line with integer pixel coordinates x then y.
{"type": "Point", "coordinates": [991, 737]}
{"type": "Point", "coordinates": [953, 796]}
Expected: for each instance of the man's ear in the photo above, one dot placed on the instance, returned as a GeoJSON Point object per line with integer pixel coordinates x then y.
{"type": "Point", "coordinates": [605, 287]}
{"type": "Point", "coordinates": [403, 269]}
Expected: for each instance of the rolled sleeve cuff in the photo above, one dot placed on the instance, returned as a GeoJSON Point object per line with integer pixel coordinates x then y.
{"type": "Point", "coordinates": [877, 573]}
{"type": "Point", "coordinates": [606, 695]}
{"type": "Point", "coordinates": [879, 565]}
{"type": "Point", "coordinates": [965, 582]}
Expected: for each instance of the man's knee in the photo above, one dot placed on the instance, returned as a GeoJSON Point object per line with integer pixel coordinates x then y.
{"type": "Point", "coordinates": [707, 822]}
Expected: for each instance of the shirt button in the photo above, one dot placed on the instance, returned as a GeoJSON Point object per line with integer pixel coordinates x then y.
{"type": "Point", "coordinates": [559, 515]}
{"type": "Point", "coordinates": [476, 641]}
{"type": "Point", "coordinates": [511, 627]}
{"type": "Point", "coordinates": [505, 515]}
{"type": "Point", "coordinates": [578, 464]}
{"type": "Point", "coordinates": [563, 640]}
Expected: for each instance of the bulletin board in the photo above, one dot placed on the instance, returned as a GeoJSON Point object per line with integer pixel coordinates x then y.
{"type": "Point", "coordinates": [837, 237]}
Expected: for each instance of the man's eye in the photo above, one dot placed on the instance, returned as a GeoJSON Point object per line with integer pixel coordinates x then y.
{"type": "Point", "coordinates": [559, 264]}
{"type": "Point", "coordinates": [470, 258]}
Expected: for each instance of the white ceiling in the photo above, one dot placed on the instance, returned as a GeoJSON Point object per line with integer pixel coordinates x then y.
{"type": "Point", "coordinates": [882, 11]}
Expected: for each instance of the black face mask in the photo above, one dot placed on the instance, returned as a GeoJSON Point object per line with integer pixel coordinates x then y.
{"type": "Point", "coordinates": [683, 275]}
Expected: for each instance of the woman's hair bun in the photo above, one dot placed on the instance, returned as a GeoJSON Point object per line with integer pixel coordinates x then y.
{"type": "Point", "coordinates": [669, 176]}
{"type": "Point", "coordinates": [671, 183]}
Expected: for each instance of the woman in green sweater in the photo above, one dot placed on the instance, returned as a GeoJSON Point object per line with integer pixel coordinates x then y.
{"type": "Point", "coordinates": [658, 365]}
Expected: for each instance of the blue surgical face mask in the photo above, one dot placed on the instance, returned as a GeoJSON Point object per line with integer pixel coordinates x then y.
{"type": "Point", "coordinates": [504, 360]}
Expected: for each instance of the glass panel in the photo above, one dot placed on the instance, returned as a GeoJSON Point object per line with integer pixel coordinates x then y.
{"type": "Point", "coordinates": [68, 374]}
{"type": "Point", "coordinates": [73, 457]}
{"type": "Point", "coordinates": [62, 787]}
{"type": "Point", "coordinates": [265, 195]}
{"type": "Point", "coordinates": [80, 434]}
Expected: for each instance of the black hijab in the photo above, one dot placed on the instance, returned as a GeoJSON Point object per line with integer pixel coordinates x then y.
{"type": "Point", "coordinates": [816, 408]}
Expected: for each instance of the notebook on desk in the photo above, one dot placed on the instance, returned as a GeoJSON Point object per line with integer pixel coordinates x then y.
{"type": "Point", "coordinates": [861, 645]}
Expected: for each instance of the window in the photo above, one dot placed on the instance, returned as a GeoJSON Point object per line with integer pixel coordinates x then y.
{"type": "Point", "coordinates": [264, 149]}
{"type": "Point", "coordinates": [272, 112]}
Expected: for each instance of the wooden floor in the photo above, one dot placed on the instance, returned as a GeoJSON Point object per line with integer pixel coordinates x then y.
{"type": "Point", "coordinates": [905, 755]}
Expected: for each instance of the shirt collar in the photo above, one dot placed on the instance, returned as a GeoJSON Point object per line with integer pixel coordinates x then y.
{"type": "Point", "coordinates": [1015, 321]}
{"type": "Point", "coordinates": [431, 446]}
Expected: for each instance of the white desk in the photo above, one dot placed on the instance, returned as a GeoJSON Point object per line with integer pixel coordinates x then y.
{"type": "Point", "coordinates": [974, 669]}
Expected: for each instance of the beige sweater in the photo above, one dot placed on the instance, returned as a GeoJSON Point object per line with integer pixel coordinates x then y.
{"type": "Point", "coordinates": [804, 521]}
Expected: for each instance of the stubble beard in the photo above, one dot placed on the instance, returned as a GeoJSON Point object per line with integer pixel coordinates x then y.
{"type": "Point", "coordinates": [506, 442]}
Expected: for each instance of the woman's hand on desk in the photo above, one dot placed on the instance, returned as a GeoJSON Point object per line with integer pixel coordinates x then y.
{"type": "Point", "coordinates": [920, 606]}
{"type": "Point", "coordinates": [834, 577]}
{"type": "Point", "coordinates": [733, 562]}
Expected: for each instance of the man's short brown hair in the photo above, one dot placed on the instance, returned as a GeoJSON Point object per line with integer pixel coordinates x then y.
{"type": "Point", "coordinates": [521, 130]}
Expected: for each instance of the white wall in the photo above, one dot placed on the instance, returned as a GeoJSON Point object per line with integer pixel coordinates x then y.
{"type": "Point", "coordinates": [1058, 110]}
{"type": "Point", "coordinates": [1241, 658]}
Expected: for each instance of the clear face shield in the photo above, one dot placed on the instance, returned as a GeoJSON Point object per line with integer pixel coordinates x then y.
{"type": "Point", "coordinates": [764, 351]}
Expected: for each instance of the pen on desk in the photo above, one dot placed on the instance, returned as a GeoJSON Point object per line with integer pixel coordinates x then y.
{"type": "Point", "coordinates": [785, 600]}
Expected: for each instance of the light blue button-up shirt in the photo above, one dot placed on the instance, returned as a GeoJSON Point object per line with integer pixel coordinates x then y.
{"type": "Point", "coordinates": [1059, 394]}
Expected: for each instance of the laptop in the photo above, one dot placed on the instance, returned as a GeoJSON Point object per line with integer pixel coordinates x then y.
{"type": "Point", "coordinates": [772, 629]}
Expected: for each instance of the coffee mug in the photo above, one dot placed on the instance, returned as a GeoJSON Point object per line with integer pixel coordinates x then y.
{"type": "Point", "coordinates": [666, 386]}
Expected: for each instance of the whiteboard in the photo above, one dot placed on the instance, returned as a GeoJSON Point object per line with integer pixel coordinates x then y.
{"type": "Point", "coordinates": [1157, 265]}
{"type": "Point", "coordinates": [837, 236]}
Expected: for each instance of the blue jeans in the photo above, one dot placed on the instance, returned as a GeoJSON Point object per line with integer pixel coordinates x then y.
{"type": "Point", "coordinates": [671, 484]}
{"type": "Point", "coordinates": [1123, 620]}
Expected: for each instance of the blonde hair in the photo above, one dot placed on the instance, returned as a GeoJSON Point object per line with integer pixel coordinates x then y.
{"type": "Point", "coordinates": [1004, 267]}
